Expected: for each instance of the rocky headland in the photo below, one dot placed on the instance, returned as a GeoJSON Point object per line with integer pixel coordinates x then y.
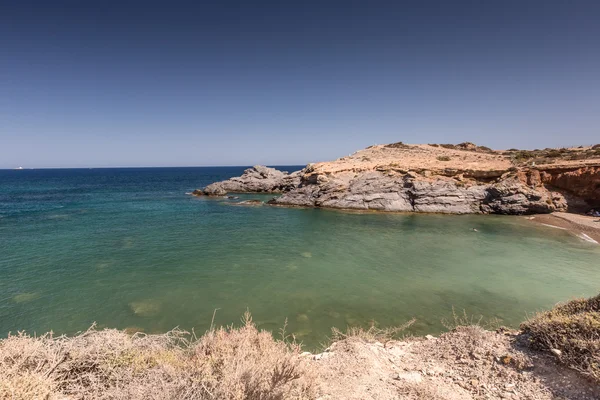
{"type": "Point", "coordinates": [456, 179]}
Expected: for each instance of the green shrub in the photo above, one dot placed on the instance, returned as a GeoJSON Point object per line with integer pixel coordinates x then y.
{"type": "Point", "coordinates": [553, 153]}
{"type": "Point", "coordinates": [523, 155]}
{"type": "Point", "coordinates": [397, 145]}
{"type": "Point", "coordinates": [448, 146]}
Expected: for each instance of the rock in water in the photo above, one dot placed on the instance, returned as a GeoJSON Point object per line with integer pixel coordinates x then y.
{"type": "Point", "coordinates": [251, 202]}
{"type": "Point", "coordinates": [258, 179]}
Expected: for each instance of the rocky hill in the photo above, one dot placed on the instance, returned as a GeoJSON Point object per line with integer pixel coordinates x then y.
{"type": "Point", "coordinates": [457, 179]}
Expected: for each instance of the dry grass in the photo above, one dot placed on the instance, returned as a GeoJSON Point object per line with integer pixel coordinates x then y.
{"type": "Point", "coordinates": [465, 320]}
{"type": "Point", "coordinates": [371, 334]}
{"type": "Point", "coordinates": [225, 363]}
{"type": "Point", "coordinates": [572, 328]}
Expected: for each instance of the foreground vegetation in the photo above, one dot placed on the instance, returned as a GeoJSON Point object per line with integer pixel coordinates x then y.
{"type": "Point", "coordinates": [571, 331]}
{"type": "Point", "coordinates": [243, 363]}
{"type": "Point", "coordinates": [225, 363]}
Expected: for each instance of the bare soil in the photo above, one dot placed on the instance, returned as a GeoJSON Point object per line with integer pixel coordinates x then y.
{"type": "Point", "coordinates": [468, 363]}
{"type": "Point", "coordinates": [409, 157]}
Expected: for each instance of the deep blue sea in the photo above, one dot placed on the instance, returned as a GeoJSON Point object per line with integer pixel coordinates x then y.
{"type": "Point", "coordinates": [128, 248]}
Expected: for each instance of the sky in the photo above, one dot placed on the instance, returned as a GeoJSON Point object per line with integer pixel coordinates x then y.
{"type": "Point", "coordinates": [171, 83]}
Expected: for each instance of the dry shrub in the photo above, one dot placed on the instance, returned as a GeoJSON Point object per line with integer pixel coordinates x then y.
{"type": "Point", "coordinates": [465, 320]}
{"type": "Point", "coordinates": [247, 364]}
{"type": "Point", "coordinates": [550, 156]}
{"type": "Point", "coordinates": [371, 334]}
{"type": "Point", "coordinates": [443, 158]}
{"type": "Point", "coordinates": [226, 363]}
{"type": "Point", "coordinates": [573, 328]}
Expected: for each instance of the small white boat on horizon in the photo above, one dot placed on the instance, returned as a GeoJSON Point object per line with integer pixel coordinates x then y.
{"type": "Point", "coordinates": [19, 168]}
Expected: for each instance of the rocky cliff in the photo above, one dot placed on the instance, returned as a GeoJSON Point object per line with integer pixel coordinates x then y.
{"type": "Point", "coordinates": [458, 179]}
{"type": "Point", "coordinates": [582, 181]}
{"type": "Point", "coordinates": [392, 191]}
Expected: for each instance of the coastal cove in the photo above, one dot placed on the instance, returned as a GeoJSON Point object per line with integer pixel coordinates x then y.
{"type": "Point", "coordinates": [128, 249]}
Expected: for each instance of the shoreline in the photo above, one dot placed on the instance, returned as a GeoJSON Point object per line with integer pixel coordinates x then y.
{"type": "Point", "coordinates": [585, 227]}
{"type": "Point", "coordinates": [576, 224]}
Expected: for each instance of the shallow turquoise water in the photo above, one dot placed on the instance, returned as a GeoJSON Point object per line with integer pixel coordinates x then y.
{"type": "Point", "coordinates": [127, 247]}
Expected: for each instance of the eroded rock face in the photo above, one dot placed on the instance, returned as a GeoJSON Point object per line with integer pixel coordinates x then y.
{"type": "Point", "coordinates": [256, 180]}
{"type": "Point", "coordinates": [511, 195]}
{"type": "Point", "coordinates": [374, 190]}
{"type": "Point", "coordinates": [583, 182]}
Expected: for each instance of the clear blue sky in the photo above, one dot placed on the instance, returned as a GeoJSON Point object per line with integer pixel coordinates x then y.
{"type": "Point", "coordinates": [122, 83]}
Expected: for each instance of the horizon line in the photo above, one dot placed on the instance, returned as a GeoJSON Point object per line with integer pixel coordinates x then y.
{"type": "Point", "coordinates": [156, 166]}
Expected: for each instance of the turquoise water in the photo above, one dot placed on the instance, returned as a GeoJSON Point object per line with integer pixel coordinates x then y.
{"type": "Point", "coordinates": [128, 248]}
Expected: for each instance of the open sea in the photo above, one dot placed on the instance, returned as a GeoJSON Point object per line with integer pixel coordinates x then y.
{"type": "Point", "coordinates": [128, 248]}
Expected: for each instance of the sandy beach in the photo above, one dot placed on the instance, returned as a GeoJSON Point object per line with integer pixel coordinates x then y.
{"type": "Point", "coordinates": [578, 224]}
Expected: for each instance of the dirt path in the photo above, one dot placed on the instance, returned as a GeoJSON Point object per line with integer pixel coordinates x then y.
{"type": "Point", "coordinates": [580, 225]}
{"type": "Point", "coordinates": [468, 363]}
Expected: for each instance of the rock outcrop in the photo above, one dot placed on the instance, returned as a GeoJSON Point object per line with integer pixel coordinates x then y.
{"type": "Point", "coordinates": [583, 182]}
{"type": "Point", "coordinates": [426, 178]}
{"type": "Point", "coordinates": [257, 179]}
{"type": "Point", "coordinates": [375, 190]}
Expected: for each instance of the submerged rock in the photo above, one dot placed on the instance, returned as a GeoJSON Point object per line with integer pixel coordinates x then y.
{"type": "Point", "coordinates": [26, 297]}
{"type": "Point", "coordinates": [145, 308]}
{"type": "Point", "coordinates": [252, 202]}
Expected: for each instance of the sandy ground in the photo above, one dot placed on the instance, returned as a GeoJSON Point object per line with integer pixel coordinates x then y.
{"type": "Point", "coordinates": [426, 157]}
{"type": "Point", "coordinates": [420, 156]}
{"type": "Point", "coordinates": [580, 225]}
{"type": "Point", "coordinates": [468, 363]}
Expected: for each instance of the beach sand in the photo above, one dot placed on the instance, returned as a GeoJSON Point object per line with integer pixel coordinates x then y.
{"type": "Point", "coordinates": [576, 223]}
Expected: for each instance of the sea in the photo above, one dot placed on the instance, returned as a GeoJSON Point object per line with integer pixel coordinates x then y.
{"type": "Point", "coordinates": [130, 248]}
